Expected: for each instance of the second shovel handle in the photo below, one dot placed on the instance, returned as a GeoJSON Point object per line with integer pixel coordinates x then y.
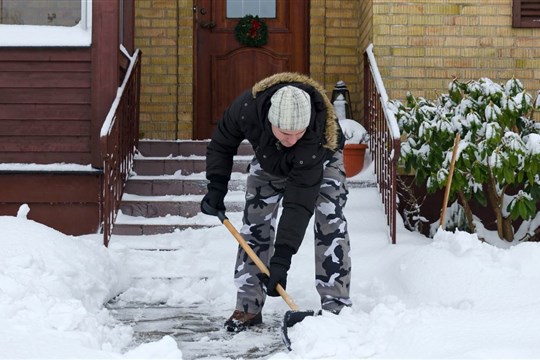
{"type": "Point", "coordinates": [253, 256]}
{"type": "Point", "coordinates": [449, 181]}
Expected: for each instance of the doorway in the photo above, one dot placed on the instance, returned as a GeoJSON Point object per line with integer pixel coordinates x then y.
{"type": "Point", "coordinates": [224, 68]}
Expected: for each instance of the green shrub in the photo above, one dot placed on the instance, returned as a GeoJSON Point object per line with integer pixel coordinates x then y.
{"type": "Point", "coordinates": [498, 160]}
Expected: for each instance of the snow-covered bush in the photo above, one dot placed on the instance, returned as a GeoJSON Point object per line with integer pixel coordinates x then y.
{"type": "Point", "coordinates": [498, 157]}
{"type": "Point", "coordinates": [354, 132]}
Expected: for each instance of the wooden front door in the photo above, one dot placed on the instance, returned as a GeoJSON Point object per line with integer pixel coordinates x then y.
{"type": "Point", "coordinates": [225, 68]}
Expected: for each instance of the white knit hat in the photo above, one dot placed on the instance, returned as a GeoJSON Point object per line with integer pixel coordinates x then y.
{"type": "Point", "coordinates": [290, 109]}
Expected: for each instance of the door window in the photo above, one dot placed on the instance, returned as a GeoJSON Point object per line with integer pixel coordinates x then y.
{"type": "Point", "coordinates": [261, 8]}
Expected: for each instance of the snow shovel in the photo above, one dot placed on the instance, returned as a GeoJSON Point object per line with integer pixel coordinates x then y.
{"type": "Point", "coordinates": [292, 316]}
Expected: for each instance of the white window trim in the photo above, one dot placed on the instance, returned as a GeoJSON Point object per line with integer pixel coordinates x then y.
{"type": "Point", "coordinates": [45, 35]}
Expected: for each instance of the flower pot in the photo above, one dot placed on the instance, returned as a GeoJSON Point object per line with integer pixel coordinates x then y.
{"type": "Point", "coordinates": [353, 158]}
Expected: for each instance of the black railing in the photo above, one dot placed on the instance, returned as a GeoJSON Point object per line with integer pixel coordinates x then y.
{"type": "Point", "coordinates": [384, 138]}
{"type": "Point", "coordinates": [118, 140]}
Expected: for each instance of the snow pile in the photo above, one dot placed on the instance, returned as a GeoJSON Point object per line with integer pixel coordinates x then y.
{"type": "Point", "coordinates": [45, 35]}
{"type": "Point", "coordinates": [448, 297]}
{"type": "Point", "coordinates": [454, 297]}
{"type": "Point", "coordinates": [52, 290]}
{"type": "Point", "coordinates": [354, 132]}
{"type": "Point", "coordinates": [53, 287]}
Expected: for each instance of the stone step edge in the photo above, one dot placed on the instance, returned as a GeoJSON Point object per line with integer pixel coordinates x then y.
{"type": "Point", "coordinates": [194, 177]}
{"type": "Point", "coordinates": [154, 229]}
{"type": "Point", "coordinates": [139, 157]}
{"type": "Point", "coordinates": [232, 196]}
{"type": "Point", "coordinates": [173, 220]}
{"type": "Point", "coordinates": [352, 182]}
{"type": "Point", "coordinates": [151, 147]}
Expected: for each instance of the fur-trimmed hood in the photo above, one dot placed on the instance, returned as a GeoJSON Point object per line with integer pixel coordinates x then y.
{"type": "Point", "coordinates": [332, 127]}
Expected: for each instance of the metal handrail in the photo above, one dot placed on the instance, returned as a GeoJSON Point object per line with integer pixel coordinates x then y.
{"type": "Point", "coordinates": [119, 138]}
{"type": "Point", "coordinates": [384, 138]}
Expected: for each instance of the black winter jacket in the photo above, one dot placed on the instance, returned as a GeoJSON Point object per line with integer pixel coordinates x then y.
{"type": "Point", "coordinates": [302, 164]}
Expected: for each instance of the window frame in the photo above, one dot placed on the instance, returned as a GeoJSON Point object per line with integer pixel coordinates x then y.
{"type": "Point", "coordinates": [519, 20]}
{"type": "Point", "coordinates": [79, 35]}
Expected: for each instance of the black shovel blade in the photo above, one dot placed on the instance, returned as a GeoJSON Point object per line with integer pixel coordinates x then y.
{"type": "Point", "coordinates": [291, 318]}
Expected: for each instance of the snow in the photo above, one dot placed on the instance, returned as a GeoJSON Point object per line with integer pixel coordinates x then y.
{"type": "Point", "coordinates": [45, 35]}
{"type": "Point", "coordinates": [533, 143]}
{"type": "Point", "coordinates": [110, 119]}
{"type": "Point", "coordinates": [448, 297]}
{"type": "Point", "coordinates": [52, 290]}
{"type": "Point", "coordinates": [489, 87]}
{"type": "Point", "coordinates": [354, 132]}
{"type": "Point", "coordinates": [29, 167]}
{"type": "Point", "coordinates": [379, 84]}
{"type": "Point", "coordinates": [492, 112]}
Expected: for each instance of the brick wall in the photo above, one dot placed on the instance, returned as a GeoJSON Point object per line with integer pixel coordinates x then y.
{"type": "Point", "coordinates": [364, 39]}
{"type": "Point", "coordinates": [336, 46]}
{"type": "Point", "coordinates": [420, 45]}
{"type": "Point", "coordinates": [185, 70]}
{"type": "Point", "coordinates": [164, 33]}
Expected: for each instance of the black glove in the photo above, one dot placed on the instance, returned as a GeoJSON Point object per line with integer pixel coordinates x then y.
{"type": "Point", "coordinates": [212, 202]}
{"type": "Point", "coordinates": [278, 275]}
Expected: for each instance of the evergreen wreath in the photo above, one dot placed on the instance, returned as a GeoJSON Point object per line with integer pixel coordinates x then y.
{"type": "Point", "coordinates": [251, 31]}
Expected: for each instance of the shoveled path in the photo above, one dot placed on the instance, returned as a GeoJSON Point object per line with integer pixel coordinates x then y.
{"type": "Point", "coordinates": [198, 334]}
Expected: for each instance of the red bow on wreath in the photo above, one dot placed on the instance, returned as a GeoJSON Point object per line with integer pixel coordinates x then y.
{"type": "Point", "coordinates": [255, 26]}
{"type": "Point", "coordinates": [251, 31]}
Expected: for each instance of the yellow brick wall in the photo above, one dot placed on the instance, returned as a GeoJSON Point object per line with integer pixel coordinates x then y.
{"type": "Point", "coordinates": [364, 39]}
{"type": "Point", "coordinates": [185, 70]}
{"type": "Point", "coordinates": [164, 33]}
{"type": "Point", "coordinates": [421, 45]}
{"type": "Point", "coordinates": [335, 51]}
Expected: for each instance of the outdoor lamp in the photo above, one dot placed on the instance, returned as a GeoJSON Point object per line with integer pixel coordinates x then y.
{"type": "Point", "coordinates": [341, 89]}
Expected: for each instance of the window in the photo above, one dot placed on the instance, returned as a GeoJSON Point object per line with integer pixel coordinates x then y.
{"type": "Point", "coordinates": [261, 8]}
{"type": "Point", "coordinates": [40, 12]}
{"type": "Point", "coordinates": [45, 22]}
{"type": "Point", "coordinates": [526, 13]}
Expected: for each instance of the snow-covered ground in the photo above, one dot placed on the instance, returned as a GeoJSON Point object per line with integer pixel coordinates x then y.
{"type": "Point", "coordinates": [448, 297]}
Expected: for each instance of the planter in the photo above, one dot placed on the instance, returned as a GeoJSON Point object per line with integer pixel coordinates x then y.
{"type": "Point", "coordinates": [353, 158]}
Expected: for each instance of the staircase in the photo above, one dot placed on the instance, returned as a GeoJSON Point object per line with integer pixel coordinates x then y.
{"type": "Point", "coordinates": [164, 192]}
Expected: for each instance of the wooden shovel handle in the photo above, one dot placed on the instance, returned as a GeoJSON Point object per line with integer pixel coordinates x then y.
{"type": "Point", "coordinates": [253, 256]}
{"type": "Point", "coordinates": [449, 182]}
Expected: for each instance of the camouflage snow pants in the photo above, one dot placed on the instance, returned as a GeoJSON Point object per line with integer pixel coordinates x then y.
{"type": "Point", "coordinates": [333, 264]}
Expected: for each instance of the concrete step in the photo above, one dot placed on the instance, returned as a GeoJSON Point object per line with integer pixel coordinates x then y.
{"type": "Point", "coordinates": [164, 192]}
{"type": "Point", "coordinates": [156, 206]}
{"type": "Point", "coordinates": [194, 184]}
{"type": "Point", "coordinates": [182, 165]}
{"type": "Point", "coordinates": [163, 148]}
{"type": "Point", "coordinates": [161, 215]}
{"type": "Point", "coordinates": [152, 229]}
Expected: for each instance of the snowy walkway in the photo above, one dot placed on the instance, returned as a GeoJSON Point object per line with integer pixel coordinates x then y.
{"type": "Point", "coordinates": [448, 297]}
{"type": "Point", "coordinates": [183, 287]}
